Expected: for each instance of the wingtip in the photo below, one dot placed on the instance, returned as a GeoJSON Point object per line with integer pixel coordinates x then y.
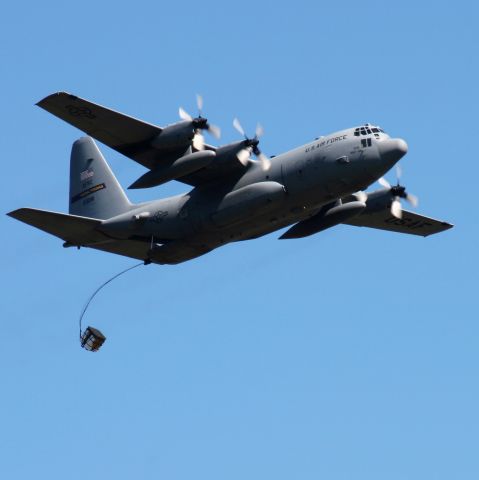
{"type": "Point", "coordinates": [446, 226]}
{"type": "Point", "coordinates": [17, 214]}
{"type": "Point", "coordinates": [53, 95]}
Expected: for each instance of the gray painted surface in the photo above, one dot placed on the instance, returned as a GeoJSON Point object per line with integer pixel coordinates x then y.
{"type": "Point", "coordinates": [312, 184]}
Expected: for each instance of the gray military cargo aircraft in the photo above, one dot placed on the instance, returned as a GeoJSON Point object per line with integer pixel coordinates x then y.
{"type": "Point", "coordinates": [234, 196]}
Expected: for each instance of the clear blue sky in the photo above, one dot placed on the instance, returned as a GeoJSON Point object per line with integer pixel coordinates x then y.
{"type": "Point", "coordinates": [350, 354]}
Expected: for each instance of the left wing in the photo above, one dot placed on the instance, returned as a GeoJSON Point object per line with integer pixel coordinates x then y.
{"type": "Point", "coordinates": [410, 222]}
{"type": "Point", "coordinates": [132, 137]}
{"type": "Point", "coordinates": [125, 134]}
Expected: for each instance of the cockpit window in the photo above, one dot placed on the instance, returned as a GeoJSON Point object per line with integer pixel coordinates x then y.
{"type": "Point", "coordinates": [368, 130]}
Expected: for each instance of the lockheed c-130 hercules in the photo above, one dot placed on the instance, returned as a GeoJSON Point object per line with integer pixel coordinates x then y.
{"type": "Point", "coordinates": [238, 193]}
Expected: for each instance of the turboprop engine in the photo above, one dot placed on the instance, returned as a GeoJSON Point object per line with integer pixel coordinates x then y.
{"type": "Point", "coordinates": [174, 136]}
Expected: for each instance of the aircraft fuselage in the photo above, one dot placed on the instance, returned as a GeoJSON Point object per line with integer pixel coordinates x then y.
{"type": "Point", "coordinates": [296, 186]}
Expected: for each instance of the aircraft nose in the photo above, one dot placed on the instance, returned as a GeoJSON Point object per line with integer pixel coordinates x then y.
{"type": "Point", "coordinates": [392, 150]}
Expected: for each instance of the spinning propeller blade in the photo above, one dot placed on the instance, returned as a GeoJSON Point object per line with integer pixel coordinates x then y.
{"type": "Point", "coordinates": [199, 141]}
{"type": "Point", "coordinates": [243, 155]}
{"type": "Point", "coordinates": [384, 183]}
{"type": "Point", "coordinates": [396, 208]}
{"type": "Point", "coordinates": [184, 115]}
{"type": "Point", "coordinates": [251, 146]}
{"type": "Point", "coordinates": [238, 127]}
{"type": "Point", "coordinates": [199, 123]}
{"type": "Point", "coordinates": [199, 103]}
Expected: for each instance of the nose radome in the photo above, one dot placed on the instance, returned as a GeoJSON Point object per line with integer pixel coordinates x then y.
{"type": "Point", "coordinates": [392, 150]}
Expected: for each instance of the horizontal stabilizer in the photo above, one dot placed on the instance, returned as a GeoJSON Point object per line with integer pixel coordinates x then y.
{"type": "Point", "coordinates": [71, 228]}
{"type": "Point", "coordinates": [81, 231]}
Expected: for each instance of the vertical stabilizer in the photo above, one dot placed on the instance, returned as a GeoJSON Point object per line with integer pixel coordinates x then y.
{"type": "Point", "coordinates": [94, 190]}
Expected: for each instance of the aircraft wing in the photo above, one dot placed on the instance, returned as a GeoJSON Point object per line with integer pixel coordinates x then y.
{"type": "Point", "coordinates": [410, 222]}
{"type": "Point", "coordinates": [127, 135]}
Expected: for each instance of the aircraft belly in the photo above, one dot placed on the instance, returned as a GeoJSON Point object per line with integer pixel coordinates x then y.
{"type": "Point", "coordinates": [262, 224]}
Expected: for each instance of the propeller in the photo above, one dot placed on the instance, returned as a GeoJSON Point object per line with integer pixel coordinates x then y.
{"type": "Point", "coordinates": [398, 192]}
{"type": "Point", "coordinates": [199, 123]}
{"type": "Point", "coordinates": [251, 146]}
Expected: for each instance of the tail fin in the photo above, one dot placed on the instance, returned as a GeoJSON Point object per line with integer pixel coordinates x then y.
{"type": "Point", "coordinates": [94, 189]}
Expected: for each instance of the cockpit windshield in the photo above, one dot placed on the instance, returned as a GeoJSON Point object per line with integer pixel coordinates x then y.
{"type": "Point", "coordinates": [368, 130]}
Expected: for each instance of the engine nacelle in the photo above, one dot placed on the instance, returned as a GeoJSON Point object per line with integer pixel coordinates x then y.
{"type": "Point", "coordinates": [179, 168]}
{"type": "Point", "coordinates": [378, 200]}
{"type": "Point", "coordinates": [227, 153]}
{"type": "Point", "coordinates": [174, 136]}
{"type": "Point", "coordinates": [325, 219]}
